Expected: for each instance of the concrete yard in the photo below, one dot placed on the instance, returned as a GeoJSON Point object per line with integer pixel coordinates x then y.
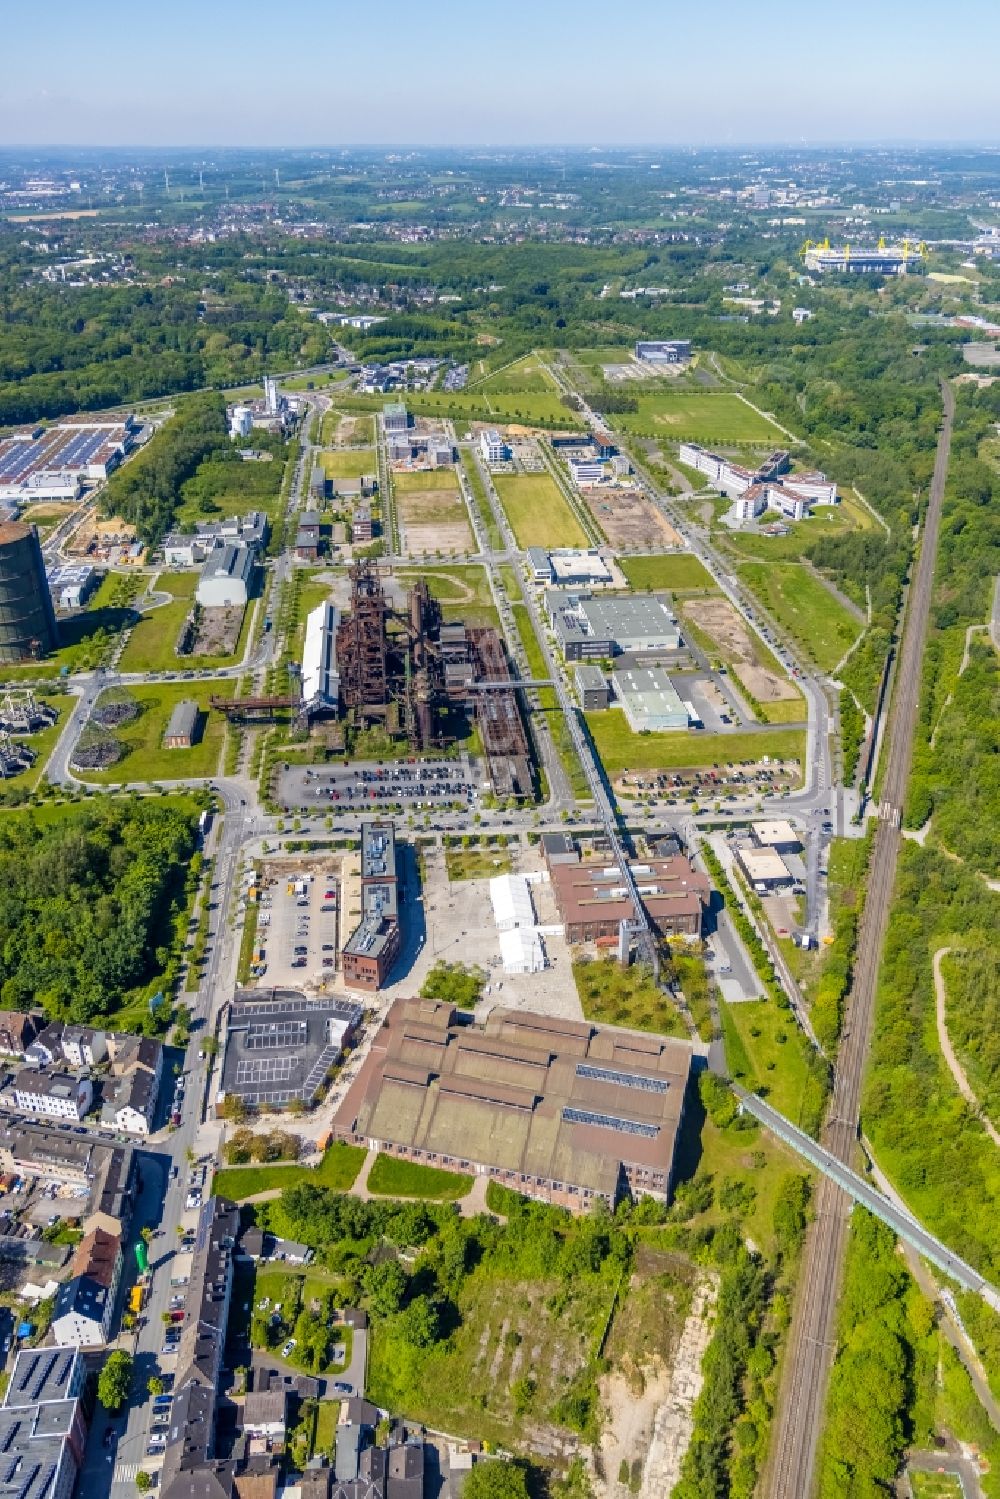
{"type": "Point", "coordinates": [459, 928]}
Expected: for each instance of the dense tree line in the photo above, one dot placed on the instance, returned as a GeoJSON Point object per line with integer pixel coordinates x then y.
{"type": "Point", "coordinates": [86, 904]}
{"type": "Point", "coordinates": [872, 1382]}
{"type": "Point", "coordinates": [147, 491]}
{"type": "Point", "coordinates": [924, 1135]}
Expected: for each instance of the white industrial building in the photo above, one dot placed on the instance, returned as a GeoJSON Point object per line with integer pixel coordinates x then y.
{"type": "Point", "coordinates": [586, 470]}
{"type": "Point", "coordinates": [510, 898]}
{"type": "Point", "coordinates": [663, 350]}
{"type": "Point", "coordinates": [226, 577]}
{"type": "Point", "coordinates": [650, 700]}
{"type": "Point", "coordinates": [778, 835]}
{"type": "Point", "coordinates": [765, 869]}
{"type": "Point", "coordinates": [320, 677]}
{"type": "Point", "coordinates": [768, 487]}
{"type": "Point", "coordinates": [493, 447]}
{"type": "Point", "coordinates": [241, 421]}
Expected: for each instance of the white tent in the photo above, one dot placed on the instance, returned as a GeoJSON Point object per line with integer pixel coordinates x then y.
{"type": "Point", "coordinates": [521, 951]}
{"type": "Point", "coordinates": [511, 902]}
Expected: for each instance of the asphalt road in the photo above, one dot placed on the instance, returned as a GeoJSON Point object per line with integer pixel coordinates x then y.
{"type": "Point", "coordinates": [812, 1336]}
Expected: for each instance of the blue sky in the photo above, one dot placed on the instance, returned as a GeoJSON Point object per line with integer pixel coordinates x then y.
{"type": "Point", "coordinates": [452, 72]}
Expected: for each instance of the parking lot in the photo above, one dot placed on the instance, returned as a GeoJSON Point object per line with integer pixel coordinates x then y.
{"type": "Point", "coordinates": [298, 923]}
{"type": "Point", "coordinates": [364, 785]}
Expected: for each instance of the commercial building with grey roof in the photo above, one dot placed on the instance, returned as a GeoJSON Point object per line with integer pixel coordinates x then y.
{"type": "Point", "coordinates": [589, 628]}
{"type": "Point", "coordinates": [43, 1434]}
{"type": "Point", "coordinates": [649, 699]}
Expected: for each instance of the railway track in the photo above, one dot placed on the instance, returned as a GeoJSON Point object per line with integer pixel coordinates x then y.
{"type": "Point", "coordinates": [812, 1336]}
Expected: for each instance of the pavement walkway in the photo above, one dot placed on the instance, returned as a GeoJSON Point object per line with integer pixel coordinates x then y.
{"type": "Point", "coordinates": [954, 1065]}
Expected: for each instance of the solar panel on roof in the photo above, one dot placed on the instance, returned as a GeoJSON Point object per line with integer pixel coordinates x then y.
{"type": "Point", "coordinates": [623, 1079]}
{"type": "Point", "coordinates": [611, 1121]}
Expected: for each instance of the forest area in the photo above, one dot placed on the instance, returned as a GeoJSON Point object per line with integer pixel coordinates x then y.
{"type": "Point", "coordinates": [89, 902]}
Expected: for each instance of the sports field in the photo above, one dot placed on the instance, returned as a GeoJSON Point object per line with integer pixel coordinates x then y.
{"type": "Point", "coordinates": [538, 513]}
{"type": "Point", "coordinates": [802, 606]}
{"type": "Point", "coordinates": [698, 416]}
{"type": "Point", "coordinates": [681, 573]}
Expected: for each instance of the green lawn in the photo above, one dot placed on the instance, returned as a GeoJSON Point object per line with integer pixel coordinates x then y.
{"type": "Point", "coordinates": [766, 1052]}
{"type": "Point", "coordinates": [528, 408]}
{"type": "Point", "coordinates": [476, 863]}
{"type": "Point", "coordinates": [620, 749]}
{"type": "Point", "coordinates": [462, 591]}
{"type": "Point", "coordinates": [826, 520]}
{"type": "Point", "coordinates": [538, 512]}
{"type": "Point", "coordinates": [390, 1177]}
{"type": "Point", "coordinates": [421, 480]}
{"type": "Point", "coordinates": [338, 1170]}
{"type": "Point", "coordinates": [697, 416]}
{"type": "Point", "coordinates": [524, 375]}
{"type": "Point", "coordinates": [613, 995]}
{"type": "Point", "coordinates": [152, 645]}
{"type": "Point", "coordinates": [352, 463]}
{"type": "Point", "coordinates": [803, 607]}
{"type": "Point", "coordinates": [145, 758]}
{"type": "Point", "coordinates": [681, 573]}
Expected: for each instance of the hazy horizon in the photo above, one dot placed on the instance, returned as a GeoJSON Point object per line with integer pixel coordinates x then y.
{"type": "Point", "coordinates": [562, 76]}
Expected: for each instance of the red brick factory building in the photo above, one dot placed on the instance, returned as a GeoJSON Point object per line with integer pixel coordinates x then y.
{"type": "Point", "coordinates": [560, 1110]}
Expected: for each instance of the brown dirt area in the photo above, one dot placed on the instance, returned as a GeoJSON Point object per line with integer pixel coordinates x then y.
{"type": "Point", "coordinates": [628, 520]}
{"type": "Point", "coordinates": [218, 632]}
{"type": "Point", "coordinates": [655, 1350]}
{"type": "Point", "coordinates": [735, 643]}
{"type": "Point", "coordinates": [434, 520]}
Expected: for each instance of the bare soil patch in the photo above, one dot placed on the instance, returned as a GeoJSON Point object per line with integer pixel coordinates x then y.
{"type": "Point", "coordinates": [434, 520]}
{"type": "Point", "coordinates": [628, 519]}
{"type": "Point", "coordinates": [738, 648]}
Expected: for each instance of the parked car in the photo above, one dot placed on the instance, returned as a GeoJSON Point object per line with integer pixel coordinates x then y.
{"type": "Point", "coordinates": [287, 1348]}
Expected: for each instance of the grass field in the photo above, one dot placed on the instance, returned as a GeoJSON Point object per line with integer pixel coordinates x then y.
{"type": "Point", "coordinates": [353, 427]}
{"type": "Point", "coordinates": [463, 591]}
{"type": "Point", "coordinates": [350, 463]}
{"type": "Point", "coordinates": [766, 1050]}
{"type": "Point", "coordinates": [681, 573]}
{"type": "Point", "coordinates": [422, 480]}
{"type": "Point", "coordinates": [803, 607]}
{"type": "Point", "coordinates": [145, 758]}
{"type": "Point", "coordinates": [826, 520]}
{"type": "Point", "coordinates": [338, 1170]}
{"type": "Point", "coordinates": [697, 416]}
{"type": "Point", "coordinates": [523, 376]}
{"type": "Point", "coordinates": [613, 995]}
{"type": "Point", "coordinates": [538, 512]}
{"type": "Point", "coordinates": [527, 408]}
{"type": "Point", "coordinates": [152, 645]}
{"type": "Point", "coordinates": [390, 1177]}
{"type": "Point", "coordinates": [620, 749]}
{"type": "Point", "coordinates": [476, 863]}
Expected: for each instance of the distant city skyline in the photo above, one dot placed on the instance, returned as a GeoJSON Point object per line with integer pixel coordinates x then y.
{"type": "Point", "coordinates": [447, 73]}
